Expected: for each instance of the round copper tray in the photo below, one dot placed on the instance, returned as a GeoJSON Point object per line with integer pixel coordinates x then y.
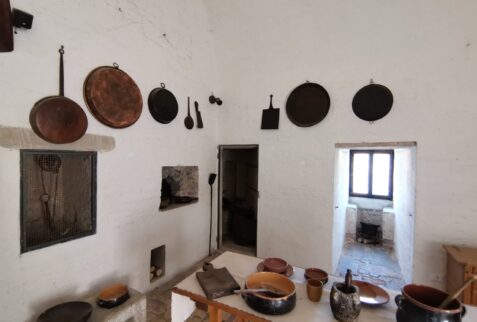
{"type": "Point", "coordinates": [371, 294]}
{"type": "Point", "coordinates": [287, 273]}
{"type": "Point", "coordinates": [112, 97]}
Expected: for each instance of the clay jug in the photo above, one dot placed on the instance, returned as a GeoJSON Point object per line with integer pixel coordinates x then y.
{"type": "Point", "coordinates": [344, 300]}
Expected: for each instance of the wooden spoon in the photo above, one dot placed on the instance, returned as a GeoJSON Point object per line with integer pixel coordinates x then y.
{"type": "Point", "coordinates": [188, 121]}
{"type": "Point", "coordinates": [264, 288]}
{"type": "Point", "coordinates": [453, 296]}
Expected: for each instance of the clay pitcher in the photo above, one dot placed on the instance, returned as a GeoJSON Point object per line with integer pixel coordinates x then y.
{"type": "Point", "coordinates": [344, 300]}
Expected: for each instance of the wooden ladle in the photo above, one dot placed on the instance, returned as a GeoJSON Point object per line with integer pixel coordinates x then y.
{"type": "Point", "coordinates": [453, 296]}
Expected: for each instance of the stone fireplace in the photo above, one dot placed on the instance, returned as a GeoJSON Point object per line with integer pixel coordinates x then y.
{"type": "Point", "coordinates": [58, 197]}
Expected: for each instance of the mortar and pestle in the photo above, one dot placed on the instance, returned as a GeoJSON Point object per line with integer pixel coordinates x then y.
{"type": "Point", "coordinates": [344, 300]}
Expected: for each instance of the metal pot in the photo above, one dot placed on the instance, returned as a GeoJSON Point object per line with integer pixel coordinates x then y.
{"type": "Point", "coordinates": [419, 303]}
{"type": "Point", "coordinates": [269, 303]}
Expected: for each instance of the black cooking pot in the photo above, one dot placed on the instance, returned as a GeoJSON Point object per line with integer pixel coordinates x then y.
{"type": "Point", "coordinates": [269, 303]}
{"type": "Point", "coordinates": [419, 303]}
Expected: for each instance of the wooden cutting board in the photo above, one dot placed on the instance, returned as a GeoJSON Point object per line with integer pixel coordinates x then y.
{"type": "Point", "coordinates": [217, 282]}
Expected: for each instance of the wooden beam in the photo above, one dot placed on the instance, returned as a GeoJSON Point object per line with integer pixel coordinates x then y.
{"type": "Point", "coordinates": [219, 306]}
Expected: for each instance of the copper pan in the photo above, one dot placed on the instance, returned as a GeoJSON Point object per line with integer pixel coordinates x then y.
{"type": "Point", "coordinates": [58, 119]}
{"type": "Point", "coordinates": [112, 96]}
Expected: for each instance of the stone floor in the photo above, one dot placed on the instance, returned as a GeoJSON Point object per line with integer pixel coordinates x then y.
{"type": "Point", "coordinates": [373, 264]}
{"type": "Point", "coordinates": [229, 244]}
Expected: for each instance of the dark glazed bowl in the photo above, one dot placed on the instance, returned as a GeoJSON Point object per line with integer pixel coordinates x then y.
{"type": "Point", "coordinates": [275, 264]}
{"type": "Point", "coordinates": [69, 311]}
{"type": "Point", "coordinates": [419, 303]}
{"type": "Point", "coordinates": [268, 303]}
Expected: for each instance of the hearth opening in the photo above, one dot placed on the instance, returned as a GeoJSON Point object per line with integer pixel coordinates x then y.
{"type": "Point", "coordinates": [179, 186]}
{"type": "Point", "coordinates": [368, 233]}
{"type": "Point", "coordinates": [157, 266]}
{"type": "Point", "coordinates": [58, 197]}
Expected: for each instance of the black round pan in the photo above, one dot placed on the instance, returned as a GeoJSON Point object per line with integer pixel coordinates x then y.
{"type": "Point", "coordinates": [372, 102]}
{"type": "Point", "coordinates": [162, 105]}
{"type": "Point", "coordinates": [308, 104]}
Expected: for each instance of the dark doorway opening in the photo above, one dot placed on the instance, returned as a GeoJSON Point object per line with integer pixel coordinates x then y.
{"type": "Point", "coordinates": [238, 198]}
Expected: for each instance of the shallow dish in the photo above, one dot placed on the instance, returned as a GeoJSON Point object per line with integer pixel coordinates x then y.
{"type": "Point", "coordinates": [288, 272]}
{"type": "Point", "coordinates": [316, 274]}
{"type": "Point", "coordinates": [69, 311]}
{"type": "Point", "coordinates": [275, 264]}
{"type": "Point", "coordinates": [371, 294]}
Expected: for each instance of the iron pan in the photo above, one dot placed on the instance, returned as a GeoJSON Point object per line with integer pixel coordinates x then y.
{"type": "Point", "coordinates": [162, 105]}
{"type": "Point", "coordinates": [308, 104]}
{"type": "Point", "coordinates": [69, 311]}
{"type": "Point", "coordinates": [372, 102]}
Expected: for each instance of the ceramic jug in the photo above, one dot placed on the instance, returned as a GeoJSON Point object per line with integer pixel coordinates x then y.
{"type": "Point", "coordinates": [344, 300]}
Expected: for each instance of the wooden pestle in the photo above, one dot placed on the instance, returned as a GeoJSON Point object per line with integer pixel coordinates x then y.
{"type": "Point", "coordinates": [453, 296]}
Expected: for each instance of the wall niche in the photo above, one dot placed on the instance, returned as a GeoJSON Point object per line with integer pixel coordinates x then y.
{"type": "Point", "coordinates": [179, 187]}
{"type": "Point", "coordinates": [58, 197]}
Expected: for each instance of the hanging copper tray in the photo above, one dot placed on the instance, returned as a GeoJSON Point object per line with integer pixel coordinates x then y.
{"type": "Point", "coordinates": [112, 96]}
{"type": "Point", "coordinates": [308, 104]}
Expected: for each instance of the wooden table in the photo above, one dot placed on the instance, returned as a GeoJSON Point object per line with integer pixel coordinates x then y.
{"type": "Point", "coordinates": [188, 292]}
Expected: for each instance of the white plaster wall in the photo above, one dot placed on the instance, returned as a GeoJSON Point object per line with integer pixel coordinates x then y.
{"type": "Point", "coordinates": [340, 219]}
{"type": "Point", "coordinates": [129, 177]}
{"type": "Point", "coordinates": [424, 51]}
{"type": "Point", "coordinates": [404, 207]}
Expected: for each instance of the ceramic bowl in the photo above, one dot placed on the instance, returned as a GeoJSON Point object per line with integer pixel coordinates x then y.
{"type": "Point", "coordinates": [274, 264]}
{"type": "Point", "coordinates": [316, 274]}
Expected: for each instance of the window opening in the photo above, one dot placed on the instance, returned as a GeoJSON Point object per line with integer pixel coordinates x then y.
{"type": "Point", "coordinates": [371, 174]}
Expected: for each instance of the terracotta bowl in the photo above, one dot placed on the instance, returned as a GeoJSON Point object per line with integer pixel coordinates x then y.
{"type": "Point", "coordinates": [274, 264]}
{"type": "Point", "coordinates": [316, 274]}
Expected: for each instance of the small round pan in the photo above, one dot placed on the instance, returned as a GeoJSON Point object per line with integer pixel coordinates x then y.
{"type": "Point", "coordinates": [372, 102]}
{"type": "Point", "coordinates": [308, 104]}
{"type": "Point", "coordinates": [112, 96]}
{"type": "Point", "coordinates": [162, 105]}
{"type": "Point", "coordinates": [69, 311]}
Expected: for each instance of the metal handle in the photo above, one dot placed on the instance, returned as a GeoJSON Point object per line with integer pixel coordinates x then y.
{"type": "Point", "coordinates": [398, 300]}
{"type": "Point", "coordinates": [62, 77]}
{"type": "Point", "coordinates": [163, 85]}
{"type": "Point", "coordinates": [271, 105]}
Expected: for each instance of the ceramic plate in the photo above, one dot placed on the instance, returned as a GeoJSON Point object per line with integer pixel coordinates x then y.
{"type": "Point", "coordinates": [371, 294]}
{"type": "Point", "coordinates": [287, 273]}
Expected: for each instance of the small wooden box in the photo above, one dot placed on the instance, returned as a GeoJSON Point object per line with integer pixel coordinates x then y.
{"type": "Point", "coordinates": [461, 265]}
